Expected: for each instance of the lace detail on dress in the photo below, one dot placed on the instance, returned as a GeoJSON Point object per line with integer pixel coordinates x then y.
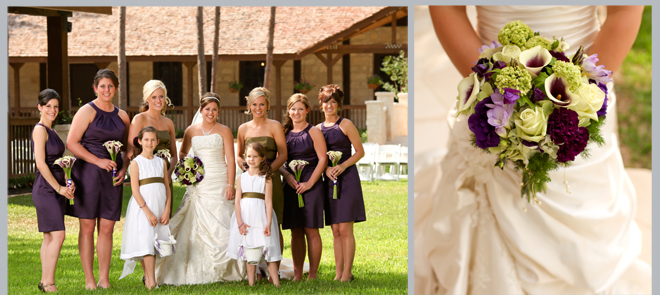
{"type": "Point", "coordinates": [213, 141]}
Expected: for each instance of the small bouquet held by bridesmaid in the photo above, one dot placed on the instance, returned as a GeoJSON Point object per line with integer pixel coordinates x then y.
{"type": "Point", "coordinates": [66, 163]}
{"type": "Point", "coordinates": [189, 171]}
{"type": "Point", "coordinates": [297, 167]}
{"type": "Point", "coordinates": [334, 157]}
{"type": "Point", "coordinates": [164, 154]}
{"type": "Point", "coordinates": [113, 147]}
{"type": "Point", "coordinates": [532, 105]}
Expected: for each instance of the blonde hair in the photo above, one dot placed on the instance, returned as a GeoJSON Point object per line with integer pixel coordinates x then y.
{"type": "Point", "coordinates": [148, 89]}
{"type": "Point", "coordinates": [298, 97]}
{"type": "Point", "coordinates": [256, 93]}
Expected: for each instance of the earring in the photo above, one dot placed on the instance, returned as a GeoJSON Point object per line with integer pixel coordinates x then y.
{"type": "Point", "coordinates": [96, 94]}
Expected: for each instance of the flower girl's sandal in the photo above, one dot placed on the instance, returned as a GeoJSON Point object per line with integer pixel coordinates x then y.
{"type": "Point", "coordinates": [41, 287]}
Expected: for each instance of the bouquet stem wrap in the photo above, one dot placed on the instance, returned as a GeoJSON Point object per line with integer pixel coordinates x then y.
{"type": "Point", "coordinates": [334, 160]}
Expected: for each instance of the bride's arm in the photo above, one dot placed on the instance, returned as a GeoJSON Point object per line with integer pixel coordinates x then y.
{"type": "Point", "coordinates": [617, 35]}
{"type": "Point", "coordinates": [456, 35]}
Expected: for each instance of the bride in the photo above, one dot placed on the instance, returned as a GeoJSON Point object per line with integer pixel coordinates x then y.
{"type": "Point", "coordinates": [477, 239]}
{"type": "Point", "coordinates": [201, 223]}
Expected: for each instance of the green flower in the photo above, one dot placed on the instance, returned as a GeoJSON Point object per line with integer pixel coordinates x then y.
{"type": "Point", "coordinates": [515, 78]}
{"type": "Point", "coordinates": [538, 40]}
{"type": "Point", "coordinates": [570, 72]}
{"type": "Point", "coordinates": [515, 33]}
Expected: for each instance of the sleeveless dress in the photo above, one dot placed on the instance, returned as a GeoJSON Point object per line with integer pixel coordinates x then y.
{"type": "Point", "coordinates": [95, 194]}
{"type": "Point", "coordinates": [271, 154]}
{"type": "Point", "coordinates": [201, 225]}
{"type": "Point", "coordinates": [349, 205]}
{"type": "Point", "coordinates": [477, 239]}
{"type": "Point", "coordinates": [138, 235]}
{"type": "Point", "coordinates": [49, 204]}
{"type": "Point", "coordinates": [300, 146]}
{"type": "Point", "coordinates": [253, 213]}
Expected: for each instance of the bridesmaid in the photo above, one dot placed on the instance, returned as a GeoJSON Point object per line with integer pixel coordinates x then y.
{"type": "Point", "coordinates": [348, 208]}
{"type": "Point", "coordinates": [304, 142]}
{"type": "Point", "coordinates": [49, 193]}
{"type": "Point", "coordinates": [269, 134]}
{"type": "Point", "coordinates": [97, 199]}
{"type": "Point", "coordinates": [152, 113]}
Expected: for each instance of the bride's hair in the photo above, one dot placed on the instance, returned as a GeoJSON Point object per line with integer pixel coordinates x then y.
{"type": "Point", "coordinates": [207, 98]}
{"type": "Point", "coordinates": [138, 147]}
{"type": "Point", "coordinates": [148, 89]}
{"type": "Point", "coordinates": [328, 92]}
{"type": "Point", "coordinates": [256, 93]}
{"type": "Point", "coordinates": [298, 97]}
{"type": "Point", "coordinates": [264, 168]}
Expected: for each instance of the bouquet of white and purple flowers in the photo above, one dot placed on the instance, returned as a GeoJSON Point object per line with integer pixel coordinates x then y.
{"type": "Point", "coordinates": [531, 104]}
{"type": "Point", "coordinates": [189, 171]}
{"type": "Point", "coordinates": [113, 147]}
{"type": "Point", "coordinates": [334, 157]}
{"type": "Point", "coordinates": [66, 163]}
{"type": "Point", "coordinates": [297, 167]}
{"type": "Point", "coordinates": [164, 154]}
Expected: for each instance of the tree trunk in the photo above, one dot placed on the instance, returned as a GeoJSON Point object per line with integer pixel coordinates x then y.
{"type": "Point", "coordinates": [121, 60]}
{"type": "Point", "coordinates": [214, 64]}
{"type": "Point", "coordinates": [201, 61]}
{"type": "Point", "coordinates": [269, 54]}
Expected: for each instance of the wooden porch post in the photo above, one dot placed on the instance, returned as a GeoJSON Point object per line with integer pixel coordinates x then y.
{"type": "Point", "coordinates": [329, 63]}
{"type": "Point", "coordinates": [394, 28]}
{"type": "Point", "coordinates": [17, 88]}
{"type": "Point", "coordinates": [189, 69]}
{"type": "Point", "coordinates": [58, 58]}
{"type": "Point", "coordinates": [278, 95]}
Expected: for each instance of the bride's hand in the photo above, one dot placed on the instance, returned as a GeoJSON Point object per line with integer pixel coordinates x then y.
{"type": "Point", "coordinates": [231, 193]}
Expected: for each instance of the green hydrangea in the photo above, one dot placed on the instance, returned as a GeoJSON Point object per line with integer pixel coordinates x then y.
{"type": "Point", "coordinates": [515, 78]}
{"type": "Point", "coordinates": [570, 72]}
{"type": "Point", "coordinates": [515, 33]}
{"type": "Point", "coordinates": [538, 40]}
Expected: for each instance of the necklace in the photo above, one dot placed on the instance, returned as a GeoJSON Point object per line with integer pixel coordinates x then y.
{"type": "Point", "coordinates": [207, 133]}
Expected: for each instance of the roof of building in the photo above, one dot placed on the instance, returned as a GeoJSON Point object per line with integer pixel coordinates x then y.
{"type": "Point", "coordinates": [168, 31]}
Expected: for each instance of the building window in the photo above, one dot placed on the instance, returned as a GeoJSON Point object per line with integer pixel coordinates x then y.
{"type": "Point", "coordinates": [171, 74]}
{"type": "Point", "coordinates": [251, 74]}
{"type": "Point", "coordinates": [83, 77]}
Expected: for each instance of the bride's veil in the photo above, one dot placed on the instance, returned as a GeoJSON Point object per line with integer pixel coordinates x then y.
{"type": "Point", "coordinates": [197, 118]}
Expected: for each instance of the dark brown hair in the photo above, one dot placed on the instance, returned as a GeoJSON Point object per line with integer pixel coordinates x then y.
{"type": "Point", "coordinates": [207, 98]}
{"type": "Point", "coordinates": [105, 73]}
{"type": "Point", "coordinates": [298, 97]}
{"type": "Point", "coordinates": [264, 168]}
{"type": "Point", "coordinates": [46, 95]}
{"type": "Point", "coordinates": [328, 92]}
{"type": "Point", "coordinates": [138, 147]}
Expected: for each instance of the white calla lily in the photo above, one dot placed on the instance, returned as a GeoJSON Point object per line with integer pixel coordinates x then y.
{"type": "Point", "coordinates": [557, 89]}
{"type": "Point", "coordinates": [535, 59]}
{"type": "Point", "coordinates": [468, 89]}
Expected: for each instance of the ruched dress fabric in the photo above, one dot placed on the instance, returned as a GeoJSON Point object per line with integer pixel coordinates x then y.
{"type": "Point", "coordinates": [300, 146]}
{"type": "Point", "coordinates": [49, 204]}
{"type": "Point", "coordinates": [271, 154]}
{"type": "Point", "coordinates": [201, 225]}
{"type": "Point", "coordinates": [349, 205]}
{"type": "Point", "coordinates": [95, 194]}
{"type": "Point", "coordinates": [253, 213]}
{"type": "Point", "coordinates": [477, 239]}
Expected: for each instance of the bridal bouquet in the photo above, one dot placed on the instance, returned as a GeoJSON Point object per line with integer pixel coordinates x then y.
{"type": "Point", "coordinates": [334, 157]}
{"type": "Point", "coordinates": [113, 148]}
{"type": "Point", "coordinates": [532, 105]}
{"type": "Point", "coordinates": [66, 163]}
{"type": "Point", "coordinates": [297, 167]}
{"type": "Point", "coordinates": [189, 171]}
{"type": "Point", "coordinates": [165, 154]}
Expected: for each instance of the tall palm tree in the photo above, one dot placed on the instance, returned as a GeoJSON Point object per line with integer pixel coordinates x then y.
{"type": "Point", "coordinates": [269, 54]}
{"type": "Point", "coordinates": [214, 63]}
{"type": "Point", "coordinates": [121, 60]}
{"type": "Point", "coordinates": [201, 61]}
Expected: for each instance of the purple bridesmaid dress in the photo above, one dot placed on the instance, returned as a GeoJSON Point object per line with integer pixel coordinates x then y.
{"type": "Point", "coordinates": [300, 146]}
{"type": "Point", "coordinates": [95, 195]}
{"type": "Point", "coordinates": [349, 205]}
{"type": "Point", "coordinates": [49, 204]}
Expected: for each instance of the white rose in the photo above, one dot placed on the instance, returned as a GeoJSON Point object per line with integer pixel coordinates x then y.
{"type": "Point", "coordinates": [512, 51]}
{"type": "Point", "coordinates": [590, 100]}
{"type": "Point", "coordinates": [532, 124]}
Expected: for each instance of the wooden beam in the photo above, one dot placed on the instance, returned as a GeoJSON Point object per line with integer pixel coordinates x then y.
{"type": "Point", "coordinates": [381, 48]}
{"type": "Point", "coordinates": [403, 11]}
{"type": "Point", "coordinates": [58, 62]}
{"type": "Point", "coordinates": [100, 65]}
{"type": "Point", "coordinates": [278, 95]}
{"type": "Point", "coordinates": [38, 11]}
{"type": "Point", "coordinates": [335, 59]}
{"type": "Point", "coordinates": [17, 86]}
{"type": "Point", "coordinates": [189, 69]}
{"type": "Point", "coordinates": [394, 28]}
{"type": "Point", "coordinates": [89, 9]}
{"type": "Point", "coordinates": [328, 67]}
{"type": "Point", "coordinates": [320, 56]}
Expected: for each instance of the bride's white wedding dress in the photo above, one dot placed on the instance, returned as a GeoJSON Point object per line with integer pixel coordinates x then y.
{"type": "Point", "coordinates": [201, 225]}
{"type": "Point", "coordinates": [477, 239]}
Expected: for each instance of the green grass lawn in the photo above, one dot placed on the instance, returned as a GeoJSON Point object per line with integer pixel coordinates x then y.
{"type": "Point", "coordinates": [380, 265]}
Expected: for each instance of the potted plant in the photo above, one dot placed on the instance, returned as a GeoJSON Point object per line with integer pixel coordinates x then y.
{"type": "Point", "coordinates": [303, 86]}
{"type": "Point", "coordinates": [397, 69]}
{"type": "Point", "coordinates": [235, 86]}
{"type": "Point", "coordinates": [374, 81]}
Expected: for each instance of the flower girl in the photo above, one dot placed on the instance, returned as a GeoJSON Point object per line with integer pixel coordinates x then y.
{"type": "Point", "coordinates": [254, 223]}
{"type": "Point", "coordinates": [151, 198]}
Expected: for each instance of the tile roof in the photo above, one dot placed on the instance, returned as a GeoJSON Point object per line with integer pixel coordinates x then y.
{"type": "Point", "coordinates": [153, 31]}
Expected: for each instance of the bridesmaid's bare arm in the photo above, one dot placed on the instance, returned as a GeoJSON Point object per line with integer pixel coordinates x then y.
{"type": "Point", "coordinates": [617, 35]}
{"type": "Point", "coordinates": [240, 145]}
{"type": "Point", "coordinates": [456, 36]}
{"type": "Point", "coordinates": [280, 140]}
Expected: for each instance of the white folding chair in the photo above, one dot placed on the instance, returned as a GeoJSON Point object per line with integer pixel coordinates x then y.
{"type": "Point", "coordinates": [366, 164]}
{"type": "Point", "coordinates": [403, 162]}
{"type": "Point", "coordinates": [388, 157]}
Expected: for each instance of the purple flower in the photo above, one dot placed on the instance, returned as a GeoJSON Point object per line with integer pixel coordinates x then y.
{"type": "Point", "coordinates": [492, 45]}
{"type": "Point", "coordinates": [597, 73]}
{"type": "Point", "coordinates": [603, 109]}
{"type": "Point", "coordinates": [478, 124]}
{"type": "Point", "coordinates": [536, 95]}
{"type": "Point", "coordinates": [498, 117]}
{"type": "Point", "coordinates": [559, 56]}
{"type": "Point", "coordinates": [481, 67]}
{"type": "Point", "coordinates": [199, 177]}
{"type": "Point", "coordinates": [569, 150]}
{"type": "Point", "coordinates": [562, 125]}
